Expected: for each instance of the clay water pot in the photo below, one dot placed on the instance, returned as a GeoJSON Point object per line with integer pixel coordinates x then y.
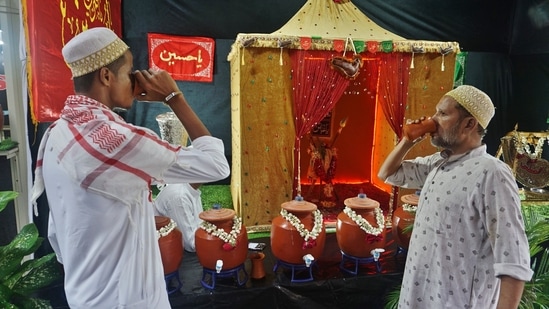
{"type": "Point", "coordinates": [210, 248]}
{"type": "Point", "coordinates": [287, 244]}
{"type": "Point", "coordinates": [403, 217]}
{"type": "Point", "coordinates": [171, 244]}
{"type": "Point", "coordinates": [351, 239]}
{"type": "Point", "coordinates": [258, 268]}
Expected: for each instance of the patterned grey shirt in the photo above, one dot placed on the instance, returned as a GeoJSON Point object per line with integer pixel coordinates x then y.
{"type": "Point", "coordinates": [468, 230]}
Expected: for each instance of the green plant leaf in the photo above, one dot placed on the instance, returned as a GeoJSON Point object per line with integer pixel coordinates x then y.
{"type": "Point", "coordinates": [8, 144]}
{"type": "Point", "coordinates": [24, 243]}
{"type": "Point", "coordinates": [6, 305]}
{"type": "Point", "coordinates": [6, 197]}
{"type": "Point", "coordinates": [27, 302]}
{"type": "Point", "coordinates": [37, 274]}
{"type": "Point", "coordinates": [391, 300]}
{"type": "Point", "coordinates": [10, 262]}
{"type": "Point", "coordinates": [5, 294]}
{"type": "Point", "coordinates": [408, 229]}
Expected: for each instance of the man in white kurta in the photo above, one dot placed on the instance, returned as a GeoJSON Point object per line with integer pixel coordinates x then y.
{"type": "Point", "coordinates": [468, 247]}
{"type": "Point", "coordinates": [181, 202]}
{"type": "Point", "coordinates": [97, 170]}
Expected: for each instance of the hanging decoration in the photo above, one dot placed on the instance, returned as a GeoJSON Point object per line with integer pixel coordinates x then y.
{"type": "Point", "coordinates": [459, 71]}
{"type": "Point", "coordinates": [185, 58]}
{"type": "Point", "coordinates": [358, 46]}
{"type": "Point", "coordinates": [373, 46]}
{"type": "Point", "coordinates": [387, 46]}
{"type": "Point", "coordinates": [416, 49]}
{"type": "Point", "coordinates": [306, 43]}
{"type": "Point", "coordinates": [283, 44]}
{"type": "Point", "coordinates": [245, 43]}
{"type": "Point", "coordinates": [349, 68]}
{"type": "Point", "coordinates": [339, 45]}
{"type": "Point", "coordinates": [47, 29]}
{"type": "Point", "coordinates": [445, 51]}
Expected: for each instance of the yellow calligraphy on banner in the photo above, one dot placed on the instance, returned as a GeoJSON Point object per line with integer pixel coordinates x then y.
{"type": "Point", "coordinates": [170, 58]}
{"type": "Point", "coordinates": [93, 11]}
{"type": "Point", "coordinates": [48, 28]}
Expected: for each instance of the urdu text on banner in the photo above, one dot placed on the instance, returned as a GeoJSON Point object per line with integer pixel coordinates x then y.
{"type": "Point", "coordinates": [185, 58]}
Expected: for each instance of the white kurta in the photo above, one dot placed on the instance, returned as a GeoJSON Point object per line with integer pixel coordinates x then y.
{"type": "Point", "coordinates": [468, 231]}
{"type": "Point", "coordinates": [109, 249]}
{"type": "Point", "coordinates": [183, 204]}
{"type": "Point", "coordinates": [97, 170]}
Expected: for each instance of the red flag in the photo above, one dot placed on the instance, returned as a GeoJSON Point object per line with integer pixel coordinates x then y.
{"type": "Point", "coordinates": [339, 45]}
{"type": "Point", "coordinates": [373, 46]}
{"type": "Point", "coordinates": [306, 43]}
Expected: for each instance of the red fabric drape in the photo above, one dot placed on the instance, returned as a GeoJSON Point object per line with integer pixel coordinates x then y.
{"type": "Point", "coordinates": [393, 87]}
{"type": "Point", "coordinates": [316, 90]}
{"type": "Point", "coordinates": [393, 90]}
{"type": "Point", "coordinates": [48, 28]}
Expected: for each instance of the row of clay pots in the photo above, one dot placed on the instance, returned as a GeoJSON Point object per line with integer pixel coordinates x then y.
{"type": "Point", "coordinates": [287, 244]}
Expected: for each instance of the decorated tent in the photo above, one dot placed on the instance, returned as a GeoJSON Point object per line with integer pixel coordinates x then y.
{"type": "Point", "coordinates": [318, 104]}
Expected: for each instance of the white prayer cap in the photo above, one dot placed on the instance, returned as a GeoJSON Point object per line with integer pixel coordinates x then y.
{"type": "Point", "coordinates": [93, 49]}
{"type": "Point", "coordinates": [476, 102]}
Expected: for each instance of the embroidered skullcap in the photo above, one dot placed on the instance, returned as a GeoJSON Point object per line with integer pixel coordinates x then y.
{"type": "Point", "coordinates": [92, 50]}
{"type": "Point", "coordinates": [476, 102]}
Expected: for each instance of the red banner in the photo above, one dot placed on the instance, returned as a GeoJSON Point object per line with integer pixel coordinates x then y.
{"type": "Point", "coordinates": [48, 26]}
{"type": "Point", "coordinates": [185, 58]}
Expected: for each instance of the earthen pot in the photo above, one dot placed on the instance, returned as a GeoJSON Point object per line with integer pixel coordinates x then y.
{"type": "Point", "coordinates": [287, 244]}
{"type": "Point", "coordinates": [351, 238]}
{"type": "Point", "coordinates": [171, 245]}
{"type": "Point", "coordinates": [210, 248]}
{"type": "Point", "coordinates": [258, 267]}
{"type": "Point", "coordinates": [403, 218]}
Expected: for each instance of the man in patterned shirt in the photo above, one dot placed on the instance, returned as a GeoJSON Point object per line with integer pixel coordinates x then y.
{"type": "Point", "coordinates": [468, 247]}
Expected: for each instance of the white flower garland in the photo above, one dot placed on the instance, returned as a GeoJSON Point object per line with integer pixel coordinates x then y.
{"type": "Point", "coordinates": [364, 224]}
{"type": "Point", "coordinates": [409, 207]}
{"type": "Point", "coordinates": [307, 235]}
{"type": "Point", "coordinates": [165, 230]}
{"type": "Point", "coordinates": [230, 237]}
{"type": "Point", "coordinates": [524, 147]}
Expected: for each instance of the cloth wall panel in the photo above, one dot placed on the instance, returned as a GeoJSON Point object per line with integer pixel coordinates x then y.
{"type": "Point", "coordinates": [262, 109]}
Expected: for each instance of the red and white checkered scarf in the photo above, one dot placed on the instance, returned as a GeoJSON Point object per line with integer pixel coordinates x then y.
{"type": "Point", "coordinates": [103, 153]}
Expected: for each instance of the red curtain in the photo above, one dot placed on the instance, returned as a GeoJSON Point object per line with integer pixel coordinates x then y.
{"type": "Point", "coordinates": [393, 88]}
{"type": "Point", "coordinates": [316, 90]}
{"type": "Point", "coordinates": [393, 94]}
